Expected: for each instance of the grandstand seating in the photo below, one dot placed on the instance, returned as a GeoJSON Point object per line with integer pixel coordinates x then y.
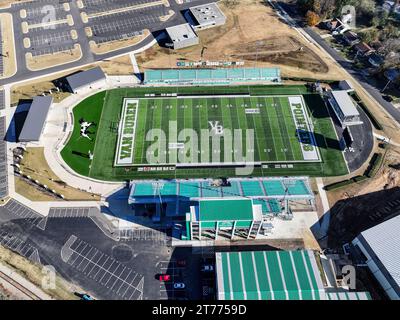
{"type": "Point", "coordinates": [212, 76]}
{"type": "Point", "coordinates": [187, 190]}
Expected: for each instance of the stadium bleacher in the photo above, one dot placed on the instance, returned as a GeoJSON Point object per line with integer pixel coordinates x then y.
{"type": "Point", "coordinates": [191, 190]}
{"type": "Point", "coordinates": [212, 76]}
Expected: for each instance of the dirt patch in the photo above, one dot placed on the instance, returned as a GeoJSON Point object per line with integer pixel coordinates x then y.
{"type": "Point", "coordinates": [121, 66]}
{"type": "Point", "coordinates": [33, 272]}
{"type": "Point", "coordinates": [386, 178]}
{"type": "Point", "coordinates": [31, 192]}
{"type": "Point", "coordinates": [7, 38]}
{"type": "Point", "coordinates": [33, 89]}
{"type": "Point", "coordinates": [363, 205]}
{"type": "Point", "coordinates": [250, 37]}
{"type": "Point", "coordinates": [51, 60]}
{"type": "Point", "coordinates": [35, 165]}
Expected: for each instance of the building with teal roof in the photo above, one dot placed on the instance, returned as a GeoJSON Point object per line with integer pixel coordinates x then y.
{"type": "Point", "coordinates": [227, 217]}
{"type": "Point", "coordinates": [274, 275]}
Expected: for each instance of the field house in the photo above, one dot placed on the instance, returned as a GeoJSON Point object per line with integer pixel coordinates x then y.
{"type": "Point", "coordinates": [199, 130]}
{"type": "Point", "coordinates": [209, 209]}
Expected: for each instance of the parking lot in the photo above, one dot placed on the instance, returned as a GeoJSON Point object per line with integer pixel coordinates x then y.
{"type": "Point", "coordinates": [69, 212]}
{"type": "Point", "coordinates": [123, 25]}
{"type": "Point", "coordinates": [19, 211]}
{"type": "Point", "coordinates": [1, 55]}
{"type": "Point", "coordinates": [159, 237]}
{"type": "Point", "coordinates": [167, 290]}
{"type": "Point", "coordinates": [3, 152]}
{"type": "Point", "coordinates": [123, 281]}
{"type": "Point", "coordinates": [44, 23]}
{"type": "Point", "coordinates": [12, 242]}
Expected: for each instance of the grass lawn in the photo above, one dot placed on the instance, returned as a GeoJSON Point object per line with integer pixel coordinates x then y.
{"type": "Point", "coordinates": [273, 124]}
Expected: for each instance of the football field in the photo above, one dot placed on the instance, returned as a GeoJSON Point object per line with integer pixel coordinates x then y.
{"type": "Point", "coordinates": [201, 131]}
{"type": "Point", "coordinates": [159, 132]}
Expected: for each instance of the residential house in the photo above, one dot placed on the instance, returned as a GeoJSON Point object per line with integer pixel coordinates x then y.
{"type": "Point", "coordinates": [392, 74]}
{"type": "Point", "coordinates": [388, 6]}
{"type": "Point", "coordinates": [376, 60]}
{"type": "Point", "coordinates": [362, 49]}
{"type": "Point", "coordinates": [351, 38]}
{"type": "Point", "coordinates": [336, 26]}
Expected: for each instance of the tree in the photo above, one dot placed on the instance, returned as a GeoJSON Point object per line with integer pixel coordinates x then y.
{"type": "Point", "coordinates": [369, 35]}
{"type": "Point", "coordinates": [312, 18]}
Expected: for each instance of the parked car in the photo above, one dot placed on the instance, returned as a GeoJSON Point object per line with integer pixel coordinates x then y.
{"type": "Point", "coordinates": [164, 277]}
{"type": "Point", "coordinates": [179, 285]}
{"type": "Point", "coordinates": [207, 268]}
{"type": "Point", "coordinates": [84, 296]}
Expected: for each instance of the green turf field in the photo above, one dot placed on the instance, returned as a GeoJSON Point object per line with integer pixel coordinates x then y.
{"type": "Point", "coordinates": [269, 114]}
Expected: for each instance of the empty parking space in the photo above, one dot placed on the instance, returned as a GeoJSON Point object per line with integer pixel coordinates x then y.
{"type": "Point", "coordinates": [1, 54]}
{"type": "Point", "coordinates": [123, 281]}
{"type": "Point", "coordinates": [123, 25]}
{"type": "Point", "coordinates": [156, 236]}
{"type": "Point", "coordinates": [2, 100]}
{"type": "Point", "coordinates": [46, 13]}
{"type": "Point", "coordinates": [69, 212]}
{"type": "Point", "coordinates": [50, 38]}
{"type": "Point", "coordinates": [3, 153]}
{"type": "Point", "coordinates": [97, 6]}
{"type": "Point", "coordinates": [167, 290]}
{"type": "Point", "coordinates": [16, 244]}
{"type": "Point", "coordinates": [20, 211]}
{"type": "Point", "coordinates": [45, 24]}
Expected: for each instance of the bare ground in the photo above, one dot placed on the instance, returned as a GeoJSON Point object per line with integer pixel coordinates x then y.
{"type": "Point", "coordinates": [33, 273]}
{"type": "Point", "coordinates": [258, 38]}
{"type": "Point", "coordinates": [35, 165]}
{"type": "Point", "coordinates": [363, 205]}
{"type": "Point", "coordinates": [9, 63]}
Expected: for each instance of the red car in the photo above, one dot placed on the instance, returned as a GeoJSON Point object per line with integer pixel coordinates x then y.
{"type": "Point", "coordinates": [164, 277]}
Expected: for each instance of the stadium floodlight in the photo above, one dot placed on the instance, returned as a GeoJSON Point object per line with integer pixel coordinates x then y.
{"type": "Point", "coordinates": [157, 187]}
{"type": "Point", "coordinates": [287, 183]}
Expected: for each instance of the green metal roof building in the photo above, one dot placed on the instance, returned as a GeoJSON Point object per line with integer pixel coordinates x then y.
{"type": "Point", "coordinates": [273, 275]}
{"type": "Point", "coordinates": [223, 215]}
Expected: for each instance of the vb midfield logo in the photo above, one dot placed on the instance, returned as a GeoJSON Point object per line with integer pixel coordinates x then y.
{"type": "Point", "coordinates": [216, 128]}
{"type": "Point", "coordinates": [203, 147]}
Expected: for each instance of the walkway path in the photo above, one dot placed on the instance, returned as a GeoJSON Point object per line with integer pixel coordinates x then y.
{"type": "Point", "coordinates": [324, 224]}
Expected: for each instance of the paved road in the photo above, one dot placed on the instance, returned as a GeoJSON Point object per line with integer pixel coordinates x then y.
{"type": "Point", "coordinates": [375, 93]}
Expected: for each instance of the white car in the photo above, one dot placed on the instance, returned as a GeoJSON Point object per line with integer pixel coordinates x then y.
{"type": "Point", "coordinates": [207, 268]}
{"type": "Point", "coordinates": [179, 285]}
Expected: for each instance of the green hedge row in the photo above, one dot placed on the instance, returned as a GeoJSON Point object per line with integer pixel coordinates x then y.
{"type": "Point", "coordinates": [344, 183]}
{"type": "Point", "coordinates": [371, 171]}
{"type": "Point", "coordinates": [359, 178]}
{"type": "Point", "coordinates": [374, 165]}
{"type": "Point", "coordinates": [338, 185]}
{"type": "Point", "coordinates": [374, 121]}
{"type": "Point", "coordinates": [308, 80]}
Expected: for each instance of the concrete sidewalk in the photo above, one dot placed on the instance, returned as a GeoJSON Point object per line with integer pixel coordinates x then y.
{"type": "Point", "coordinates": [24, 282]}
